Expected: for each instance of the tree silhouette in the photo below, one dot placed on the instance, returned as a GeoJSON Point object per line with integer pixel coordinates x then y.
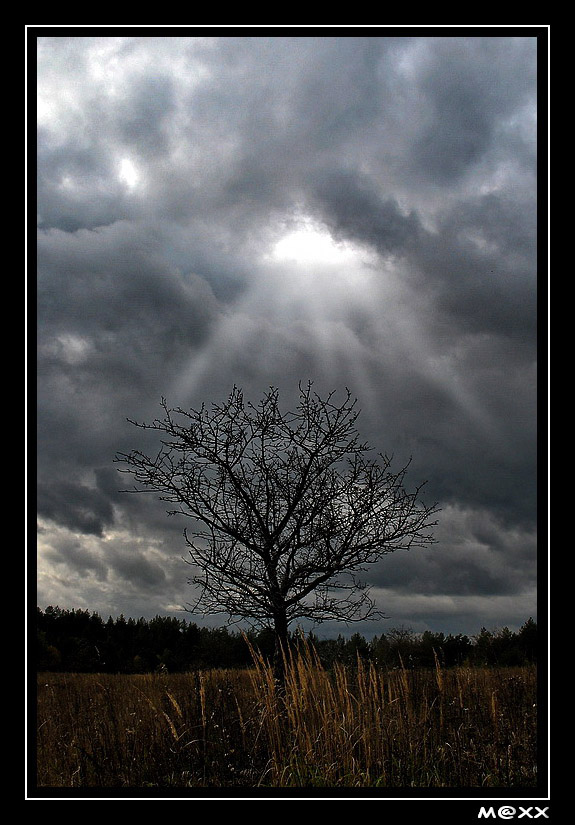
{"type": "Point", "coordinates": [285, 508]}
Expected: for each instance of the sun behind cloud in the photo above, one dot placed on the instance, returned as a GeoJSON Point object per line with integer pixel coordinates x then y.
{"type": "Point", "coordinates": [128, 173]}
{"type": "Point", "coordinates": [311, 244]}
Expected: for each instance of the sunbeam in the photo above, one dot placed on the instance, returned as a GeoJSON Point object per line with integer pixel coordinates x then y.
{"type": "Point", "coordinates": [354, 311]}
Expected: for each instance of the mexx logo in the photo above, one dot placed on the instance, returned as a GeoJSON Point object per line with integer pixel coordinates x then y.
{"type": "Point", "coordinates": [509, 812]}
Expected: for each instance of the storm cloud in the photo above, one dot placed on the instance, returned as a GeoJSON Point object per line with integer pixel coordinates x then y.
{"type": "Point", "coordinates": [358, 211]}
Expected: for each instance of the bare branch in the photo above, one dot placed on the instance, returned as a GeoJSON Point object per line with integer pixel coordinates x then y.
{"type": "Point", "coordinates": [286, 507]}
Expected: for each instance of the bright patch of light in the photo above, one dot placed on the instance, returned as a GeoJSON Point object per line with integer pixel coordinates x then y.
{"type": "Point", "coordinates": [305, 287]}
{"type": "Point", "coordinates": [43, 109]}
{"type": "Point", "coordinates": [72, 348]}
{"type": "Point", "coordinates": [128, 173]}
{"type": "Point", "coordinates": [310, 245]}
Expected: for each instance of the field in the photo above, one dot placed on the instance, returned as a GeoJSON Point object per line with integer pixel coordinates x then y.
{"type": "Point", "coordinates": [350, 727]}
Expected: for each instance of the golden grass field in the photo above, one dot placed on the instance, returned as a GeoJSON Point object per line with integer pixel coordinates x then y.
{"type": "Point", "coordinates": [462, 727]}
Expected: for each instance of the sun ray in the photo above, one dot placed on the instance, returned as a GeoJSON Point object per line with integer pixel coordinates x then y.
{"type": "Point", "coordinates": [345, 305]}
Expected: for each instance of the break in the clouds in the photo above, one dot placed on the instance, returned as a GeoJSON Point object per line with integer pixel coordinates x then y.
{"type": "Point", "coordinates": [357, 210]}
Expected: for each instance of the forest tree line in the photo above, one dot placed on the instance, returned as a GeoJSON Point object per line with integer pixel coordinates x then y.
{"type": "Point", "coordinates": [81, 641]}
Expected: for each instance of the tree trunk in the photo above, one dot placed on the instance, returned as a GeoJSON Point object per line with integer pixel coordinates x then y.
{"type": "Point", "coordinates": [281, 648]}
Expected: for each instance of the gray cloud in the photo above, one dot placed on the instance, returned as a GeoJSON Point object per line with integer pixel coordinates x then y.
{"type": "Point", "coordinates": [353, 208]}
{"type": "Point", "coordinates": [168, 170]}
{"type": "Point", "coordinates": [76, 558]}
{"type": "Point", "coordinates": [468, 87]}
{"type": "Point", "coordinates": [75, 506]}
{"type": "Point", "coordinates": [137, 570]}
{"type": "Point", "coordinates": [476, 555]}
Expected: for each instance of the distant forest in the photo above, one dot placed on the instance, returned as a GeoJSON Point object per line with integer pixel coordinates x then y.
{"type": "Point", "coordinates": [82, 642]}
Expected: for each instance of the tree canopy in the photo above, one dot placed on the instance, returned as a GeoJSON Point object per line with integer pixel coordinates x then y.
{"type": "Point", "coordinates": [285, 508]}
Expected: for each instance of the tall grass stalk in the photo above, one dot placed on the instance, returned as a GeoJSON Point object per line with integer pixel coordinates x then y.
{"type": "Point", "coordinates": [350, 726]}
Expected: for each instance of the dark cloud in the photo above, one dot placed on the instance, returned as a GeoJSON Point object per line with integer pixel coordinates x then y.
{"type": "Point", "coordinates": [476, 555]}
{"type": "Point", "coordinates": [352, 207]}
{"type": "Point", "coordinates": [77, 559]}
{"type": "Point", "coordinates": [137, 570]}
{"type": "Point", "coordinates": [468, 87]}
{"type": "Point", "coordinates": [75, 506]}
{"type": "Point", "coordinates": [482, 266]}
{"type": "Point", "coordinates": [143, 114]}
{"type": "Point", "coordinates": [169, 168]}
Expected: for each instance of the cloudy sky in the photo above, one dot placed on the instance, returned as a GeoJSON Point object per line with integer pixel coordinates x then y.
{"type": "Point", "coordinates": [356, 210]}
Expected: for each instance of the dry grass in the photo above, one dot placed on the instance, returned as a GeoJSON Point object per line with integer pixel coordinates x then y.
{"type": "Point", "coordinates": [360, 727]}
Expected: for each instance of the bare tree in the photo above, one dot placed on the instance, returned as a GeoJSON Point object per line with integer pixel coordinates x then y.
{"type": "Point", "coordinates": [285, 508]}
